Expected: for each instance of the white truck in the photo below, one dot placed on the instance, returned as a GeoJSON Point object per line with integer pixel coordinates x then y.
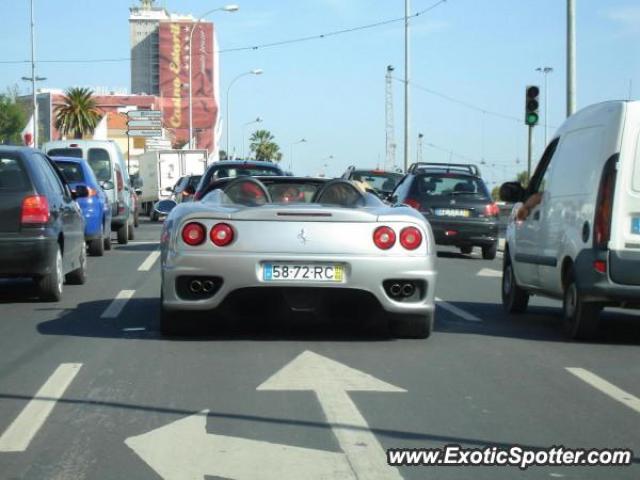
{"type": "Point", "coordinates": [160, 170]}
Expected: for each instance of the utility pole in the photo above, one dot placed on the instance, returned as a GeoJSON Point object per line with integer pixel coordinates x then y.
{"type": "Point", "coordinates": [545, 71]}
{"type": "Point", "coordinates": [390, 160]}
{"type": "Point", "coordinates": [34, 95]}
{"type": "Point", "coordinates": [529, 152]}
{"type": "Point", "coordinates": [407, 78]}
{"type": "Point", "coordinates": [571, 57]}
{"type": "Point", "coordinates": [419, 148]}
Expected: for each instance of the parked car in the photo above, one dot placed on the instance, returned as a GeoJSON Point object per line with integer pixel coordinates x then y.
{"type": "Point", "coordinates": [303, 244]}
{"type": "Point", "coordinates": [577, 234]}
{"type": "Point", "coordinates": [107, 162]}
{"type": "Point", "coordinates": [41, 224]}
{"type": "Point", "coordinates": [380, 181]}
{"type": "Point", "coordinates": [457, 203]}
{"type": "Point", "coordinates": [233, 169]}
{"type": "Point", "coordinates": [95, 207]}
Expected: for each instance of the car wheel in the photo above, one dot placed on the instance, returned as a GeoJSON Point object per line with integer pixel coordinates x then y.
{"type": "Point", "coordinates": [123, 234]}
{"type": "Point", "coordinates": [136, 219]}
{"type": "Point", "coordinates": [412, 326]}
{"type": "Point", "coordinates": [154, 217]}
{"type": "Point", "coordinates": [107, 241]}
{"type": "Point", "coordinates": [489, 252]}
{"type": "Point", "coordinates": [50, 286]}
{"type": "Point", "coordinates": [131, 233]}
{"type": "Point", "coordinates": [96, 246]}
{"type": "Point", "coordinates": [514, 298]}
{"type": "Point", "coordinates": [466, 250]}
{"type": "Point", "coordinates": [581, 319]}
{"type": "Point", "coordinates": [79, 275]}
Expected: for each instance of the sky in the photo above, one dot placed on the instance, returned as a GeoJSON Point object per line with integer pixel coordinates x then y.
{"type": "Point", "coordinates": [331, 91]}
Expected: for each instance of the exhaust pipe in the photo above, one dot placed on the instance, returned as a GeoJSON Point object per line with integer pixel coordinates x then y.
{"type": "Point", "coordinates": [195, 286]}
{"type": "Point", "coordinates": [408, 289]}
{"type": "Point", "coordinates": [395, 290]}
{"type": "Point", "coordinates": [207, 286]}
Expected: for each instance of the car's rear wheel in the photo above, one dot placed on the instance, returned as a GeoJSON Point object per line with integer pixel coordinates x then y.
{"type": "Point", "coordinates": [412, 326]}
{"type": "Point", "coordinates": [123, 234]}
{"type": "Point", "coordinates": [131, 233]}
{"type": "Point", "coordinates": [96, 246]}
{"type": "Point", "coordinates": [489, 251]}
{"type": "Point", "coordinates": [107, 241]}
{"type": "Point", "coordinates": [79, 275]}
{"type": "Point", "coordinates": [581, 319]}
{"type": "Point", "coordinates": [466, 250]}
{"type": "Point", "coordinates": [514, 298]}
{"type": "Point", "coordinates": [154, 217]}
{"type": "Point", "coordinates": [136, 219]}
{"type": "Point", "coordinates": [50, 285]}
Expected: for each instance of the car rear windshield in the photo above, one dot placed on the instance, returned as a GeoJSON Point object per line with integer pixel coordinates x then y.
{"type": "Point", "coordinates": [250, 193]}
{"type": "Point", "coordinates": [65, 152]}
{"type": "Point", "coordinates": [382, 181]}
{"type": "Point", "coordinates": [248, 170]}
{"type": "Point", "coordinates": [448, 185]}
{"type": "Point", "coordinates": [12, 175]}
{"type": "Point", "coordinates": [71, 171]}
{"type": "Point", "coordinates": [100, 163]}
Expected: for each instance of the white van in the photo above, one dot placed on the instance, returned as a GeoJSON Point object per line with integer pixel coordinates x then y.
{"type": "Point", "coordinates": [107, 162]}
{"type": "Point", "coordinates": [576, 237]}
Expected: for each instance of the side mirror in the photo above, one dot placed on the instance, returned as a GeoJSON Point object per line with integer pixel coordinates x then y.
{"type": "Point", "coordinates": [164, 207]}
{"type": "Point", "coordinates": [512, 192]}
{"type": "Point", "coordinates": [107, 185]}
{"type": "Point", "coordinates": [169, 189]}
{"type": "Point", "coordinates": [81, 191]}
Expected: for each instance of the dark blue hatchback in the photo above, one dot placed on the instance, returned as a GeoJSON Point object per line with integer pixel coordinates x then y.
{"type": "Point", "coordinates": [95, 208]}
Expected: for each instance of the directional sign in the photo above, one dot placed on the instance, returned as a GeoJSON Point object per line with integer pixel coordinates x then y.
{"type": "Point", "coordinates": [144, 124]}
{"type": "Point", "coordinates": [144, 114]}
{"type": "Point", "coordinates": [145, 133]}
{"type": "Point", "coordinates": [183, 450]}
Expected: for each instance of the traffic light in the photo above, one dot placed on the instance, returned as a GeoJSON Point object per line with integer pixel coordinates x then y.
{"type": "Point", "coordinates": [532, 106]}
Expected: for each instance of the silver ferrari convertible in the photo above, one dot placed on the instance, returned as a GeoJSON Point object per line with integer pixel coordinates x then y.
{"type": "Point", "coordinates": [301, 244]}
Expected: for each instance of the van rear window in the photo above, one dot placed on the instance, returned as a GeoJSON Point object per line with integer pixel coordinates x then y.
{"type": "Point", "coordinates": [12, 175]}
{"type": "Point", "coordinates": [65, 152]}
{"type": "Point", "coordinates": [100, 163]}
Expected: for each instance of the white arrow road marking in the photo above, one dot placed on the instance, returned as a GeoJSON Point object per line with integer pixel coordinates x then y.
{"type": "Point", "coordinates": [149, 261]}
{"type": "Point", "coordinates": [183, 450]}
{"type": "Point", "coordinates": [116, 306]}
{"type": "Point", "coordinates": [20, 433]}
{"type": "Point", "coordinates": [330, 381]}
{"type": "Point", "coordinates": [489, 272]}
{"type": "Point", "coordinates": [457, 311]}
{"type": "Point", "coordinates": [610, 389]}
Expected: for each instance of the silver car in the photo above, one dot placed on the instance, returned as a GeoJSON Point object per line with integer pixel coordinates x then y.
{"type": "Point", "coordinates": [304, 244]}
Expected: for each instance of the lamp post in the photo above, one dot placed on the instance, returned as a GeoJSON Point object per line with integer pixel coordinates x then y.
{"type": "Point", "coordinates": [302, 140]}
{"type": "Point", "coordinates": [407, 72]}
{"type": "Point", "coordinates": [256, 71]}
{"type": "Point", "coordinates": [33, 78]}
{"type": "Point", "coordinates": [226, 8]}
{"type": "Point", "coordinates": [545, 71]}
{"type": "Point", "coordinates": [244, 128]}
{"type": "Point", "coordinates": [325, 166]}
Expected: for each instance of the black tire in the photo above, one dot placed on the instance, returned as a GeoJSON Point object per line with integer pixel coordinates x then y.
{"type": "Point", "coordinates": [50, 286]}
{"type": "Point", "coordinates": [107, 241]}
{"type": "Point", "coordinates": [580, 319]}
{"type": "Point", "coordinates": [96, 246]}
{"type": "Point", "coordinates": [79, 275]}
{"type": "Point", "coordinates": [123, 234]}
{"type": "Point", "coordinates": [489, 251]}
{"type": "Point", "coordinates": [412, 326]}
{"type": "Point", "coordinates": [131, 232]}
{"type": "Point", "coordinates": [514, 298]}
{"type": "Point", "coordinates": [466, 250]}
{"type": "Point", "coordinates": [136, 219]}
{"type": "Point", "coordinates": [154, 217]}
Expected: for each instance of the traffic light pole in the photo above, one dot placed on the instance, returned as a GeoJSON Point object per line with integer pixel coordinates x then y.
{"type": "Point", "coordinates": [529, 153]}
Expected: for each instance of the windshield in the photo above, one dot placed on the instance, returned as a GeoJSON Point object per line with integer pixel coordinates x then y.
{"type": "Point", "coordinates": [71, 171]}
{"type": "Point", "coordinates": [244, 171]}
{"type": "Point", "coordinates": [449, 184]}
{"type": "Point", "coordinates": [100, 163]}
{"type": "Point", "coordinates": [381, 181]}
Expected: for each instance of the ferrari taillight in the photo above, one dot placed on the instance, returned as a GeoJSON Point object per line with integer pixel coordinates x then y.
{"type": "Point", "coordinates": [194, 234]}
{"type": "Point", "coordinates": [410, 238]}
{"type": "Point", "coordinates": [221, 234]}
{"type": "Point", "coordinates": [384, 238]}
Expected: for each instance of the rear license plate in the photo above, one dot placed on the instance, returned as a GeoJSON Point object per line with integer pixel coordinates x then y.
{"type": "Point", "coordinates": [300, 272]}
{"type": "Point", "coordinates": [451, 212]}
{"type": "Point", "coordinates": [635, 225]}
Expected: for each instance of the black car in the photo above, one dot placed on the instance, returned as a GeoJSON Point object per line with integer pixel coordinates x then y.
{"type": "Point", "coordinates": [456, 202]}
{"type": "Point", "coordinates": [233, 169]}
{"type": "Point", "coordinates": [380, 181]}
{"type": "Point", "coordinates": [41, 225]}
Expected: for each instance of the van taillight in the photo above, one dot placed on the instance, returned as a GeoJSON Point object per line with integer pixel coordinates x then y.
{"type": "Point", "coordinates": [35, 210]}
{"type": "Point", "coordinates": [604, 205]}
{"type": "Point", "coordinates": [492, 210]}
{"type": "Point", "coordinates": [413, 203]}
{"type": "Point", "coordinates": [119, 180]}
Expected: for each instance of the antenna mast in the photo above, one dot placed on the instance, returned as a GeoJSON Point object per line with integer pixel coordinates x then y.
{"type": "Point", "coordinates": [390, 160]}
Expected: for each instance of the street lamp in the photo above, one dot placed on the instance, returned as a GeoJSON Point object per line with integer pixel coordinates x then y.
{"type": "Point", "coordinates": [244, 128]}
{"type": "Point", "coordinates": [256, 71]}
{"type": "Point", "coordinates": [545, 71]}
{"type": "Point", "coordinates": [226, 8]}
{"type": "Point", "coordinates": [302, 140]}
{"type": "Point", "coordinates": [34, 100]}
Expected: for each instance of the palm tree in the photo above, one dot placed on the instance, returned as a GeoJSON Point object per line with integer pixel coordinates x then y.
{"type": "Point", "coordinates": [79, 114]}
{"type": "Point", "coordinates": [264, 146]}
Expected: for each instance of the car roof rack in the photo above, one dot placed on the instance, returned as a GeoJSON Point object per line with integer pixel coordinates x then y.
{"type": "Point", "coordinates": [445, 167]}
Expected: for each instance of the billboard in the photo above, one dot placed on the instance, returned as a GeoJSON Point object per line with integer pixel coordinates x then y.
{"type": "Point", "coordinates": [174, 80]}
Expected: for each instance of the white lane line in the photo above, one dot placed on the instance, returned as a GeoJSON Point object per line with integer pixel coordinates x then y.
{"type": "Point", "coordinates": [149, 261]}
{"type": "Point", "coordinates": [607, 388]}
{"type": "Point", "coordinates": [20, 433]}
{"type": "Point", "coordinates": [489, 272]}
{"type": "Point", "coordinates": [458, 311]}
{"type": "Point", "coordinates": [115, 307]}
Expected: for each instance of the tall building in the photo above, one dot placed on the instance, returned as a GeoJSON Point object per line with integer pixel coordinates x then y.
{"type": "Point", "coordinates": [144, 22]}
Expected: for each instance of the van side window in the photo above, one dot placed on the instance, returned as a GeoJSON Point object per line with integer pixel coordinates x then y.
{"type": "Point", "coordinates": [100, 163]}
{"type": "Point", "coordinates": [541, 175]}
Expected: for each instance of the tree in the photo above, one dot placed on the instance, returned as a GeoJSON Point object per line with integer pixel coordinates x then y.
{"type": "Point", "coordinates": [12, 120]}
{"type": "Point", "coordinates": [495, 193]}
{"type": "Point", "coordinates": [264, 147]}
{"type": "Point", "coordinates": [523, 178]}
{"type": "Point", "coordinates": [79, 114]}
